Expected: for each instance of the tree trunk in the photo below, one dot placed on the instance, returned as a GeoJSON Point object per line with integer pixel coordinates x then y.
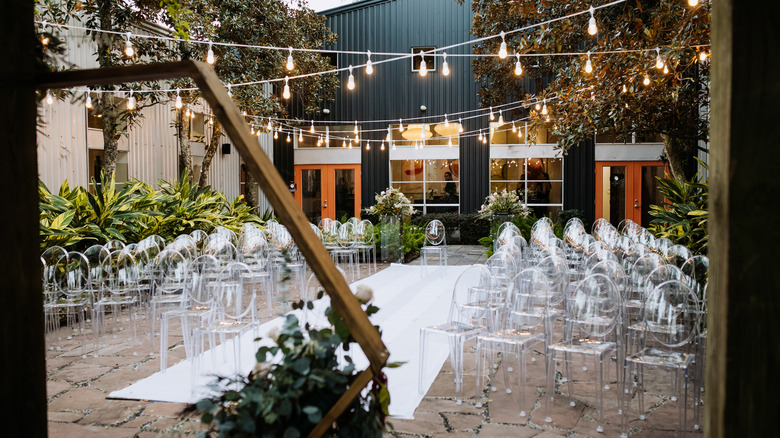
{"type": "Point", "coordinates": [216, 135]}
{"type": "Point", "coordinates": [680, 154]}
{"type": "Point", "coordinates": [250, 189]}
{"type": "Point", "coordinates": [110, 112]}
{"type": "Point", "coordinates": [185, 154]}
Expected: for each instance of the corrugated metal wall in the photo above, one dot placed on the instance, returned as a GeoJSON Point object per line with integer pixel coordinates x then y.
{"type": "Point", "coordinates": [394, 91]}
{"type": "Point", "coordinates": [579, 179]}
{"type": "Point", "coordinates": [151, 144]}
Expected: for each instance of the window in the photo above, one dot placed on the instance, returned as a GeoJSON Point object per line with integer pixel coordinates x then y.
{"type": "Point", "coordinates": [430, 59]}
{"type": "Point", "coordinates": [433, 186]}
{"type": "Point", "coordinates": [537, 181]}
{"type": "Point", "coordinates": [515, 133]}
{"type": "Point", "coordinates": [416, 134]}
{"type": "Point", "coordinates": [197, 128]}
{"type": "Point", "coordinates": [96, 166]}
{"type": "Point", "coordinates": [333, 136]}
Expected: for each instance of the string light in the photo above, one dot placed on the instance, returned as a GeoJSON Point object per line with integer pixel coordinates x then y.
{"type": "Point", "coordinates": [252, 129]}
{"type": "Point", "coordinates": [588, 65]}
{"type": "Point", "coordinates": [445, 68]}
{"type": "Point", "coordinates": [538, 106]}
{"type": "Point", "coordinates": [270, 126]}
{"type": "Point", "coordinates": [389, 135]}
{"type": "Point", "coordinates": [258, 131]}
{"type": "Point", "coordinates": [446, 122]}
{"type": "Point", "coordinates": [702, 56]}
{"type": "Point", "coordinates": [300, 135]}
{"type": "Point", "coordinates": [518, 67]}
{"type": "Point", "coordinates": [666, 69]}
{"type": "Point", "coordinates": [646, 81]}
{"type": "Point", "coordinates": [624, 88]}
{"type": "Point", "coordinates": [514, 128]}
{"type": "Point", "coordinates": [500, 117]}
{"type": "Point", "coordinates": [492, 116]}
{"type": "Point", "coordinates": [479, 138]}
{"type": "Point", "coordinates": [393, 146]}
{"type": "Point", "coordinates": [693, 3]}
{"type": "Point", "coordinates": [178, 100]}
{"type": "Point", "coordinates": [286, 93]}
{"type": "Point", "coordinates": [368, 146]}
{"type": "Point", "coordinates": [290, 65]}
{"type": "Point", "coordinates": [369, 64]}
{"type": "Point", "coordinates": [210, 56]}
{"type": "Point", "coordinates": [460, 126]}
{"type": "Point", "coordinates": [449, 141]}
{"type": "Point", "coordinates": [50, 100]}
{"type": "Point", "coordinates": [211, 122]}
{"type": "Point", "coordinates": [276, 135]}
{"type": "Point", "coordinates": [502, 53]}
{"type": "Point", "coordinates": [351, 80]}
{"type": "Point", "coordinates": [423, 65]}
{"type": "Point", "coordinates": [344, 143]}
{"type": "Point", "coordinates": [44, 38]}
{"type": "Point", "coordinates": [544, 107]}
{"type": "Point", "coordinates": [383, 146]}
{"type": "Point", "coordinates": [129, 51]}
{"type": "Point", "coordinates": [592, 29]}
{"type": "Point", "coordinates": [187, 113]}
{"type": "Point", "coordinates": [400, 125]}
{"type": "Point", "coordinates": [659, 63]}
{"type": "Point", "coordinates": [288, 138]}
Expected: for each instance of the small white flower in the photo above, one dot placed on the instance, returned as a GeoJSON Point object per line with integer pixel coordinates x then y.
{"type": "Point", "coordinates": [261, 370]}
{"type": "Point", "coordinates": [364, 293]}
{"type": "Point", "coordinates": [273, 333]}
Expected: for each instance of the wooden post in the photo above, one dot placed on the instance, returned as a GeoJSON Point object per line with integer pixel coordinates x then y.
{"type": "Point", "coordinates": [743, 356]}
{"type": "Point", "coordinates": [23, 369]}
{"type": "Point", "coordinates": [275, 190]}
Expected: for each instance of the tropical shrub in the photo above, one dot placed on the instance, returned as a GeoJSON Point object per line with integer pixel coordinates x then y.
{"type": "Point", "coordinates": [75, 218]}
{"type": "Point", "coordinates": [683, 216]}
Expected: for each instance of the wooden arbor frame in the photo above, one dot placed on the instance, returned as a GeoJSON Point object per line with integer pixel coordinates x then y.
{"type": "Point", "coordinates": [274, 189]}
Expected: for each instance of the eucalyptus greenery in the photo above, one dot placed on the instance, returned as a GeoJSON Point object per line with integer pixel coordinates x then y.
{"type": "Point", "coordinates": [296, 381]}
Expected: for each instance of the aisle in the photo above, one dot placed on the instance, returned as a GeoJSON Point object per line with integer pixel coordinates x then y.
{"type": "Point", "coordinates": [407, 301]}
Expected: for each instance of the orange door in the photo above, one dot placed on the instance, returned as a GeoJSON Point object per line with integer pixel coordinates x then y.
{"type": "Point", "coordinates": [627, 189]}
{"type": "Point", "coordinates": [328, 190]}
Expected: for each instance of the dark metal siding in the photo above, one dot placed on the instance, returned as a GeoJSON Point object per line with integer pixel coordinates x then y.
{"type": "Point", "coordinates": [394, 91]}
{"type": "Point", "coordinates": [579, 179]}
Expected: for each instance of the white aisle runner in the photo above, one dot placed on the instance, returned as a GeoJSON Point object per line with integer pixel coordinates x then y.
{"type": "Point", "coordinates": [407, 301]}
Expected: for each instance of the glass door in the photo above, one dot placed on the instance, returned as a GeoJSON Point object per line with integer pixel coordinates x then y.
{"type": "Point", "coordinates": [627, 189]}
{"type": "Point", "coordinates": [328, 191]}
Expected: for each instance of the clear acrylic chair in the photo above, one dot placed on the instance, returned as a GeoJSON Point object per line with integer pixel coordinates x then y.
{"type": "Point", "coordinates": [170, 269]}
{"type": "Point", "coordinates": [72, 295]}
{"type": "Point", "coordinates": [366, 244]}
{"type": "Point", "coordinates": [195, 307]}
{"type": "Point", "coordinates": [593, 312]}
{"type": "Point", "coordinates": [530, 297]}
{"type": "Point", "coordinates": [671, 320]}
{"type": "Point", "coordinates": [120, 293]}
{"type": "Point", "coordinates": [435, 244]}
{"type": "Point", "coordinates": [463, 324]}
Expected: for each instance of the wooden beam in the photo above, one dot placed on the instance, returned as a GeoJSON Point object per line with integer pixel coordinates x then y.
{"type": "Point", "coordinates": [274, 189]}
{"type": "Point", "coordinates": [23, 367]}
{"type": "Point", "coordinates": [743, 355]}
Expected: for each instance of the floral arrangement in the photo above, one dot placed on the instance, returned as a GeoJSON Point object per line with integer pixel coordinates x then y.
{"type": "Point", "coordinates": [391, 202]}
{"type": "Point", "coordinates": [296, 381]}
{"type": "Point", "coordinates": [504, 202]}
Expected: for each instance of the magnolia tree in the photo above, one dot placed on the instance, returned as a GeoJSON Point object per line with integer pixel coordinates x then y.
{"type": "Point", "coordinates": [653, 81]}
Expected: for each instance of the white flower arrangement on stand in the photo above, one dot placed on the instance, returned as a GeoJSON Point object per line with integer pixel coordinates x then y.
{"type": "Point", "coordinates": [391, 202]}
{"type": "Point", "coordinates": [503, 203]}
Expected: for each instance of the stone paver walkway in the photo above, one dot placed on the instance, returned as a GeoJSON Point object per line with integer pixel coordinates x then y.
{"type": "Point", "coordinates": [77, 390]}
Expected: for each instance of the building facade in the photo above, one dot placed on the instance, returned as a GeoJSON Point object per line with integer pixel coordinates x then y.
{"type": "Point", "coordinates": [435, 164]}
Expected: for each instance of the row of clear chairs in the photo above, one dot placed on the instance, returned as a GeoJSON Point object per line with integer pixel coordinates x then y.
{"type": "Point", "coordinates": [612, 297]}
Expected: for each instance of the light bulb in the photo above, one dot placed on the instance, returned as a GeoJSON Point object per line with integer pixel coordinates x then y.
{"type": "Point", "coordinates": [460, 126]}
{"type": "Point", "coordinates": [502, 53]}
{"type": "Point", "coordinates": [449, 142]}
{"type": "Point", "coordinates": [592, 29]}
{"type": "Point", "coordinates": [312, 127]}
{"type": "Point", "coordinates": [659, 63]}
{"type": "Point", "coordinates": [129, 51]}
{"type": "Point", "coordinates": [423, 68]}
{"type": "Point", "coordinates": [702, 56]}
{"type": "Point", "coordinates": [514, 128]}
{"type": "Point", "coordinates": [50, 100]}
{"type": "Point", "coordinates": [393, 146]}
{"type": "Point", "coordinates": [258, 132]}
{"type": "Point", "coordinates": [131, 102]}
{"type": "Point", "coordinates": [400, 125]}
{"type": "Point", "coordinates": [88, 102]}
{"type": "Point", "coordinates": [500, 118]}
{"type": "Point", "coordinates": [300, 135]}
{"type": "Point", "coordinates": [666, 69]}
{"type": "Point", "coordinates": [276, 135]}
{"type": "Point", "coordinates": [344, 143]}
{"type": "Point", "coordinates": [211, 122]}
{"type": "Point", "coordinates": [187, 113]}
{"type": "Point", "coordinates": [479, 138]}
{"type": "Point", "coordinates": [445, 68]}
{"type": "Point", "coordinates": [368, 146]}
{"type": "Point", "coordinates": [383, 146]}
{"type": "Point", "coordinates": [518, 67]}
{"type": "Point", "coordinates": [286, 93]}
{"type": "Point", "coordinates": [588, 65]}
{"type": "Point", "coordinates": [492, 116]}
{"type": "Point", "coordinates": [351, 80]}
{"type": "Point", "coordinates": [270, 126]}
{"type": "Point", "coordinates": [288, 138]}
{"type": "Point", "coordinates": [178, 100]}
{"type": "Point", "coordinates": [624, 88]}
{"type": "Point", "coordinates": [544, 108]}
{"type": "Point", "coordinates": [349, 146]}
{"type": "Point", "coordinates": [369, 64]}
{"type": "Point", "coordinates": [252, 129]}
{"type": "Point", "coordinates": [647, 80]}
{"type": "Point", "coordinates": [693, 2]}
{"type": "Point", "coordinates": [446, 122]}
{"type": "Point", "coordinates": [290, 65]}
{"type": "Point", "coordinates": [210, 56]}
{"type": "Point", "coordinates": [484, 139]}
{"type": "Point", "coordinates": [538, 106]}
{"type": "Point", "coordinates": [356, 128]}
{"type": "Point", "coordinates": [44, 38]}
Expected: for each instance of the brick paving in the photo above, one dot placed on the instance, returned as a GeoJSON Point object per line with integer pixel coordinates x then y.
{"type": "Point", "coordinates": [77, 389]}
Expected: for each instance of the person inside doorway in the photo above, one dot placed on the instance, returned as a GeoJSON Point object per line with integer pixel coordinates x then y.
{"type": "Point", "coordinates": [450, 188]}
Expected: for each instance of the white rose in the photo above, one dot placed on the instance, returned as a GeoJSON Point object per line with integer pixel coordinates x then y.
{"type": "Point", "coordinates": [364, 293]}
{"type": "Point", "coordinates": [261, 370]}
{"type": "Point", "coordinates": [273, 333]}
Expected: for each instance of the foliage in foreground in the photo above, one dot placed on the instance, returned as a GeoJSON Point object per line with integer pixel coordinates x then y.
{"type": "Point", "coordinates": [75, 218]}
{"type": "Point", "coordinates": [684, 215]}
{"type": "Point", "coordinates": [287, 397]}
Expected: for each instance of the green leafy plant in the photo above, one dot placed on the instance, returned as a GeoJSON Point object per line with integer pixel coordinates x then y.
{"type": "Point", "coordinates": [288, 397]}
{"type": "Point", "coordinates": [683, 217]}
